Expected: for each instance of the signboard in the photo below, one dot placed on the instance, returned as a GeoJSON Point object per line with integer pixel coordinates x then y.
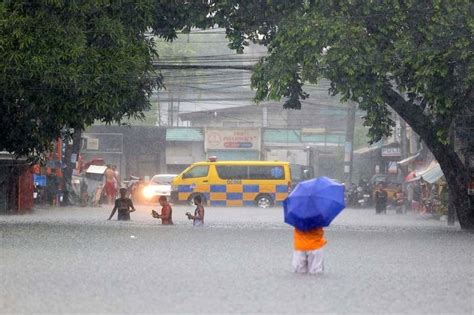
{"type": "Point", "coordinates": [232, 139]}
{"type": "Point", "coordinates": [92, 144]}
{"type": "Point", "coordinates": [391, 152]}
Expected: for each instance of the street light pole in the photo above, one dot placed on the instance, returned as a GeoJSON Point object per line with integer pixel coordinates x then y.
{"type": "Point", "coordinates": [349, 144]}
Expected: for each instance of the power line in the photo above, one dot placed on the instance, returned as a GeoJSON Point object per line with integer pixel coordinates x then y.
{"type": "Point", "coordinates": [196, 66]}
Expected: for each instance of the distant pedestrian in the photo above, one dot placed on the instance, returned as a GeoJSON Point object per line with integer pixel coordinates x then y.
{"type": "Point", "coordinates": [166, 214]}
{"type": "Point", "coordinates": [410, 196]}
{"type": "Point", "coordinates": [124, 206]}
{"type": "Point", "coordinates": [381, 197]}
{"type": "Point", "coordinates": [111, 183]}
{"type": "Point", "coordinates": [400, 201]}
{"type": "Point", "coordinates": [198, 217]}
{"type": "Point", "coordinates": [425, 196]}
{"type": "Point", "coordinates": [308, 251]}
{"type": "Point", "coordinates": [416, 203]}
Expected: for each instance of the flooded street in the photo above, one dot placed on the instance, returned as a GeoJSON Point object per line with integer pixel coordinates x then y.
{"type": "Point", "coordinates": [73, 260]}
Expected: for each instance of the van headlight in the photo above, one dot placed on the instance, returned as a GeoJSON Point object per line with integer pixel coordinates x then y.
{"type": "Point", "coordinates": [174, 187]}
{"type": "Point", "coordinates": [148, 192]}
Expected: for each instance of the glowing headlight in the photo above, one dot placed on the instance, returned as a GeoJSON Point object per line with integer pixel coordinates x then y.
{"type": "Point", "coordinates": [148, 192]}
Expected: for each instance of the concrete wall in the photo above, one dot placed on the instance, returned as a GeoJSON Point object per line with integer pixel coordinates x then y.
{"type": "Point", "coordinates": [180, 154]}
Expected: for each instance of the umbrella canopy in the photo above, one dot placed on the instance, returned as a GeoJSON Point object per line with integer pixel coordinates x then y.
{"type": "Point", "coordinates": [314, 203]}
{"type": "Point", "coordinates": [410, 176]}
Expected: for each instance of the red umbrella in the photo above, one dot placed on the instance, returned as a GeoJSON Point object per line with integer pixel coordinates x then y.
{"type": "Point", "coordinates": [410, 176]}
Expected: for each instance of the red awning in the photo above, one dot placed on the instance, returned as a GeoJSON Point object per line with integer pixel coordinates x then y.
{"type": "Point", "coordinates": [410, 176]}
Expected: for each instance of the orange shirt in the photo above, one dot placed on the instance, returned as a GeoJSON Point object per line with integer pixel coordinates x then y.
{"type": "Point", "coordinates": [309, 240]}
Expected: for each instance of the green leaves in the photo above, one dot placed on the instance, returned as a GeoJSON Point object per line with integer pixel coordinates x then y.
{"type": "Point", "coordinates": [418, 48]}
{"type": "Point", "coordinates": [66, 64]}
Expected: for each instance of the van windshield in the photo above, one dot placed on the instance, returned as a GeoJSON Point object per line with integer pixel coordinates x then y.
{"type": "Point", "coordinates": [197, 171]}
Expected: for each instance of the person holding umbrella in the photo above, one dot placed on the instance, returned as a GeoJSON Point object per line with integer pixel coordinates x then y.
{"type": "Point", "coordinates": [310, 207]}
{"type": "Point", "coordinates": [308, 254]}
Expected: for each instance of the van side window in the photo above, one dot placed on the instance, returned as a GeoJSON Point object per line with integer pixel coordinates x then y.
{"type": "Point", "coordinates": [232, 172]}
{"type": "Point", "coordinates": [266, 172]}
{"type": "Point", "coordinates": [250, 172]}
{"type": "Point", "coordinates": [197, 171]}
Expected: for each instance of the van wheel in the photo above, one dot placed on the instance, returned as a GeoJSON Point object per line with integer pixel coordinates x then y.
{"type": "Point", "coordinates": [264, 201]}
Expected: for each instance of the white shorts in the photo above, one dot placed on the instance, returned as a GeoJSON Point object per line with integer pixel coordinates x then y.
{"type": "Point", "coordinates": [308, 261]}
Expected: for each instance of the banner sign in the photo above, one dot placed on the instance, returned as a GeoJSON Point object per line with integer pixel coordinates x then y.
{"type": "Point", "coordinates": [391, 152]}
{"type": "Point", "coordinates": [232, 139]}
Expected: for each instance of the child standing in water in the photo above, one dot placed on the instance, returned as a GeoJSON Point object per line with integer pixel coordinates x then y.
{"type": "Point", "coordinates": [308, 251]}
{"type": "Point", "coordinates": [198, 217]}
{"type": "Point", "coordinates": [124, 206]}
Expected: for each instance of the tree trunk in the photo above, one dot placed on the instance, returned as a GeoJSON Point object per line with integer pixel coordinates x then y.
{"type": "Point", "coordinates": [457, 177]}
{"type": "Point", "coordinates": [455, 172]}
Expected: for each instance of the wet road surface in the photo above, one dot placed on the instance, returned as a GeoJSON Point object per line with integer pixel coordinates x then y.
{"type": "Point", "coordinates": [72, 260]}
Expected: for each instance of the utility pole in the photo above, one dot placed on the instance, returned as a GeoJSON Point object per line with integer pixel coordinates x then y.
{"type": "Point", "coordinates": [349, 144]}
{"type": "Point", "coordinates": [403, 139]}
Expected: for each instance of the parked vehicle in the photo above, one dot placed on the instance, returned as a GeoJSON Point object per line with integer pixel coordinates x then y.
{"type": "Point", "coordinates": [160, 185]}
{"type": "Point", "coordinates": [358, 196]}
{"type": "Point", "coordinates": [234, 183]}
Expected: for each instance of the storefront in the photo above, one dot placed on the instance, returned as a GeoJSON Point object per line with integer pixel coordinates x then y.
{"type": "Point", "coordinates": [183, 147]}
{"type": "Point", "coordinates": [16, 185]}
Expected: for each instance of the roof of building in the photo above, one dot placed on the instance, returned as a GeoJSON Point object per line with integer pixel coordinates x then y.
{"type": "Point", "coordinates": [296, 136]}
{"type": "Point", "coordinates": [7, 156]}
{"type": "Point", "coordinates": [233, 110]}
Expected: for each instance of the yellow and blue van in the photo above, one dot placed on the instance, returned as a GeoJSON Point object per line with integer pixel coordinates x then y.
{"type": "Point", "coordinates": [234, 183]}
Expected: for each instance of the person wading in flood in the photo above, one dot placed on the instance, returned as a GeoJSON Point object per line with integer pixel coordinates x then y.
{"type": "Point", "coordinates": [124, 206]}
{"type": "Point", "coordinates": [198, 217]}
{"type": "Point", "coordinates": [381, 197]}
{"type": "Point", "coordinates": [166, 215]}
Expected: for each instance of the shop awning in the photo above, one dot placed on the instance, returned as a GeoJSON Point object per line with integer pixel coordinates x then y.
{"type": "Point", "coordinates": [184, 134]}
{"type": "Point", "coordinates": [367, 150]}
{"type": "Point", "coordinates": [431, 174]}
{"type": "Point", "coordinates": [408, 160]}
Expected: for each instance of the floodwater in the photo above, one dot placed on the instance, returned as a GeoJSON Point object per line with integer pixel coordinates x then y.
{"type": "Point", "coordinates": [69, 260]}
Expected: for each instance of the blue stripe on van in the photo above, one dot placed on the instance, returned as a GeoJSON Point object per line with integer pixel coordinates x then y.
{"type": "Point", "coordinates": [218, 188]}
{"type": "Point", "coordinates": [251, 188]}
{"type": "Point", "coordinates": [185, 188]}
{"type": "Point", "coordinates": [234, 196]}
{"type": "Point", "coordinates": [249, 203]}
{"type": "Point", "coordinates": [281, 188]}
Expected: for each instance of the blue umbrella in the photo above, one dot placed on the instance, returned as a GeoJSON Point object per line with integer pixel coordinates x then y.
{"type": "Point", "coordinates": [314, 203]}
